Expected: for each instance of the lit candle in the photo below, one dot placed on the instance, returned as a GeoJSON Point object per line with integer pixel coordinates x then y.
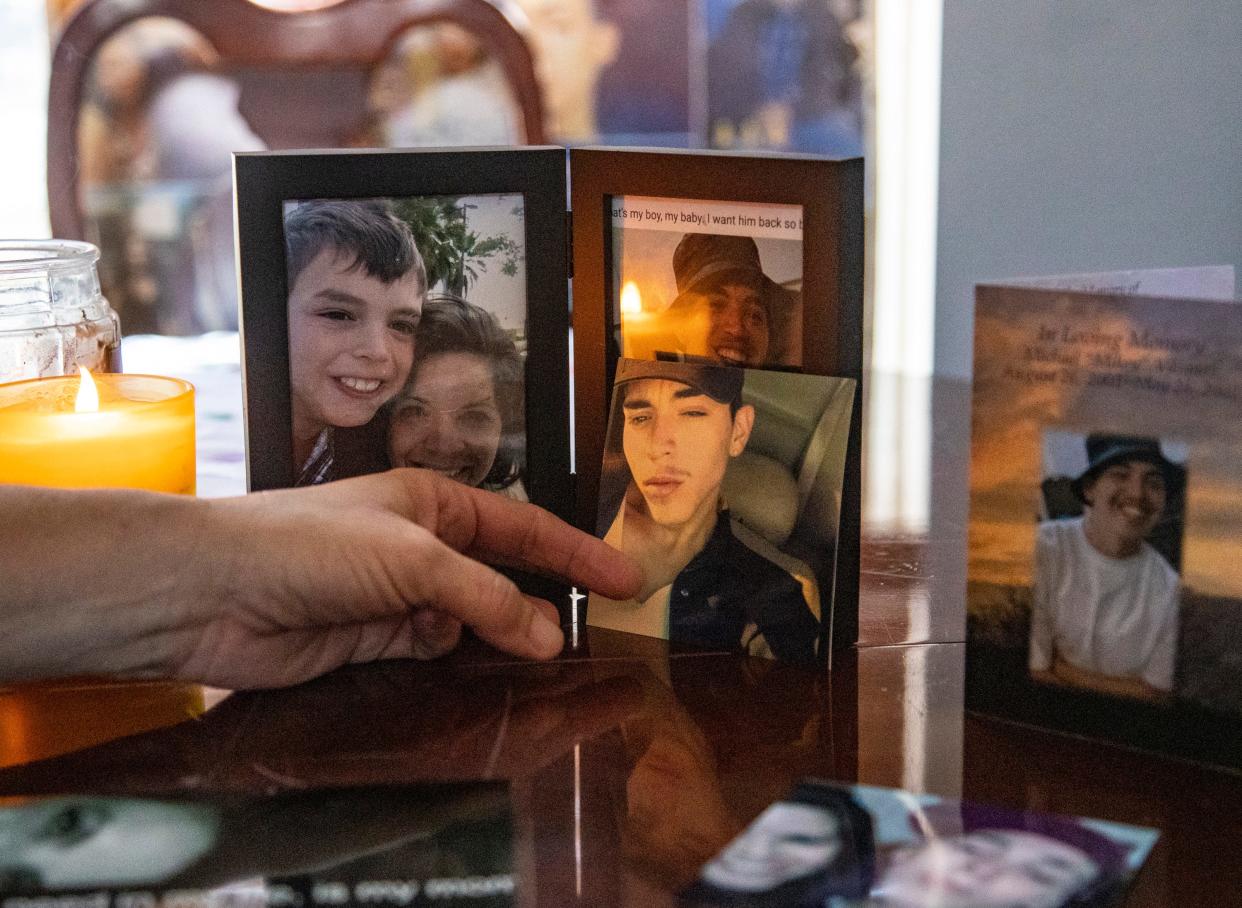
{"type": "Point", "coordinates": [631, 299]}
{"type": "Point", "coordinates": [137, 431]}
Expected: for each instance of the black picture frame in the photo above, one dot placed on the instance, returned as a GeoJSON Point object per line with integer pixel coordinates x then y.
{"type": "Point", "coordinates": [830, 194]}
{"type": "Point", "coordinates": [265, 181]}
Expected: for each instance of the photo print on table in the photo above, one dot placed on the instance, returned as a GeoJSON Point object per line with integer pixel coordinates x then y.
{"type": "Point", "coordinates": [447, 843]}
{"type": "Point", "coordinates": [725, 484]}
{"type": "Point", "coordinates": [826, 844]}
{"type": "Point", "coordinates": [407, 331]}
{"type": "Point", "coordinates": [1104, 594]}
{"type": "Point", "coordinates": [708, 281]}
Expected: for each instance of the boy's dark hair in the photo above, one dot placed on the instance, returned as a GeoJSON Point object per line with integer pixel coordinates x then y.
{"type": "Point", "coordinates": [380, 243]}
{"type": "Point", "coordinates": [450, 324]}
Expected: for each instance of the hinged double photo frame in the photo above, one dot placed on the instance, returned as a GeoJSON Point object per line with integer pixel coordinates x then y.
{"type": "Point", "coordinates": [414, 308]}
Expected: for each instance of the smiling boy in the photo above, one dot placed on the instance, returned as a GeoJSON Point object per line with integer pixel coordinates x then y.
{"type": "Point", "coordinates": [682, 425]}
{"type": "Point", "coordinates": [1105, 609]}
{"type": "Point", "coordinates": [356, 289]}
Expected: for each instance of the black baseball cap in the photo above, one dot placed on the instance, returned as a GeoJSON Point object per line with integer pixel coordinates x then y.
{"type": "Point", "coordinates": [722, 384]}
{"type": "Point", "coordinates": [1105, 450]}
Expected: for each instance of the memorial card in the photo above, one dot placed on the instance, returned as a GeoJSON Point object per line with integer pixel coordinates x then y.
{"type": "Point", "coordinates": [1104, 588]}
{"type": "Point", "coordinates": [410, 845]}
{"type": "Point", "coordinates": [831, 845]}
{"type": "Point", "coordinates": [725, 484]}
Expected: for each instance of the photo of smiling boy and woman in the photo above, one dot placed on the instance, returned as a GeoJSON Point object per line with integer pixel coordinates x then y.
{"type": "Point", "coordinates": [407, 331]}
{"type": "Point", "coordinates": [725, 484]}
{"type": "Point", "coordinates": [708, 281]}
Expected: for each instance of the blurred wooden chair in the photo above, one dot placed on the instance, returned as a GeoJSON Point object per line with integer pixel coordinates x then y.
{"type": "Point", "coordinates": [303, 77]}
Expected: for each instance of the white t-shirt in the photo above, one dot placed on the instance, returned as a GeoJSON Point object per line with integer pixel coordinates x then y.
{"type": "Point", "coordinates": [1114, 616]}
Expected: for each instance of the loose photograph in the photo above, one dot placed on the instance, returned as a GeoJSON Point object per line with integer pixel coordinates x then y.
{"type": "Point", "coordinates": [725, 484]}
{"type": "Point", "coordinates": [860, 846]}
{"type": "Point", "coordinates": [433, 843]}
{"type": "Point", "coordinates": [708, 281]}
{"type": "Point", "coordinates": [407, 337]}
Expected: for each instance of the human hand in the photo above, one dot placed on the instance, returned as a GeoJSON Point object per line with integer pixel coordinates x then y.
{"type": "Point", "coordinates": [277, 587]}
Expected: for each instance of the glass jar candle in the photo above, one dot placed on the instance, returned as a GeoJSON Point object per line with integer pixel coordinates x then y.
{"type": "Point", "coordinates": [53, 317]}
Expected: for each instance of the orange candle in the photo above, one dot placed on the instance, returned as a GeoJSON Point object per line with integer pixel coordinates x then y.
{"type": "Point", "coordinates": [130, 431]}
{"type": "Point", "coordinates": [137, 431]}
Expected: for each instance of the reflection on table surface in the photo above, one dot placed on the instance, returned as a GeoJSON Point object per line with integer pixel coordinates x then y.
{"type": "Point", "coordinates": [631, 762]}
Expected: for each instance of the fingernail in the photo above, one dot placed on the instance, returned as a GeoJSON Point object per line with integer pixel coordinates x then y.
{"type": "Point", "coordinates": [546, 637]}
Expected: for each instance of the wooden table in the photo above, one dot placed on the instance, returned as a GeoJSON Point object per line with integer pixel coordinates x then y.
{"type": "Point", "coordinates": [630, 763]}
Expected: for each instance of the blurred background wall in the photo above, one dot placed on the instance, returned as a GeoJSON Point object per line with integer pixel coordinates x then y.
{"type": "Point", "coordinates": [1032, 136]}
{"type": "Point", "coordinates": [152, 173]}
{"type": "Point", "coordinates": [1083, 135]}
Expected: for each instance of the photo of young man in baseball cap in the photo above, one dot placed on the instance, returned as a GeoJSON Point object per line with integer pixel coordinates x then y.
{"type": "Point", "coordinates": [676, 427]}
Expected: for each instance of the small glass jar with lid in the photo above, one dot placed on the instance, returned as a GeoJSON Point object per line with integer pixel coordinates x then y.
{"type": "Point", "coordinates": [53, 317]}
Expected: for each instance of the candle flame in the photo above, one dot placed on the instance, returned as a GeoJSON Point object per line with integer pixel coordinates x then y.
{"type": "Point", "coordinates": [88, 394]}
{"type": "Point", "coordinates": [631, 299]}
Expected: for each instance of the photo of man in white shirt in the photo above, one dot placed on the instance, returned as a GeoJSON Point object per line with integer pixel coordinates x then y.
{"type": "Point", "coordinates": [1105, 613]}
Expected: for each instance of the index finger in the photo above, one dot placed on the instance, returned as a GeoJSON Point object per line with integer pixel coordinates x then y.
{"type": "Point", "coordinates": [528, 537]}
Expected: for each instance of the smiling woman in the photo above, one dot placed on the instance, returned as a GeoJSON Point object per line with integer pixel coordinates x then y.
{"type": "Point", "coordinates": [462, 411]}
{"type": "Point", "coordinates": [803, 851]}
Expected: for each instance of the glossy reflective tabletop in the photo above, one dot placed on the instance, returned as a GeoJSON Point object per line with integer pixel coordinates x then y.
{"type": "Point", "coordinates": [629, 763]}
